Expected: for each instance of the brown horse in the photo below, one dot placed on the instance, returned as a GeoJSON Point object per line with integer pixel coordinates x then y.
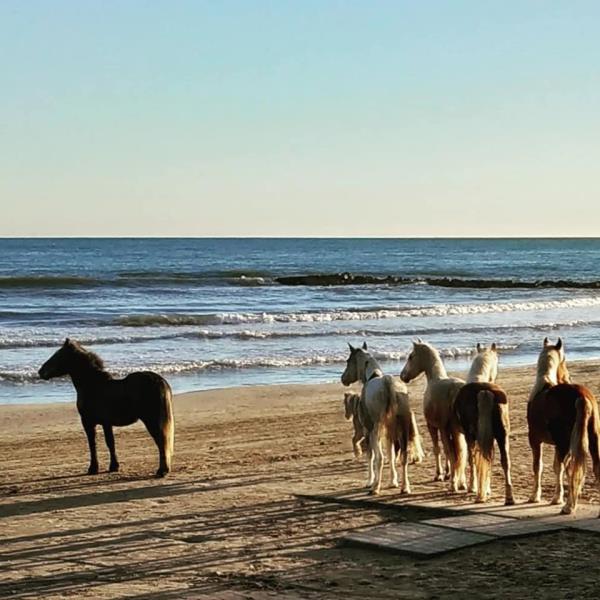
{"type": "Point", "coordinates": [481, 409]}
{"type": "Point", "coordinates": [102, 400]}
{"type": "Point", "coordinates": [564, 415]}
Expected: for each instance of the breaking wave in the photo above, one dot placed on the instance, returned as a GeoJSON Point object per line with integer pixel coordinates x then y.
{"type": "Point", "coordinates": [256, 278]}
{"type": "Point", "coordinates": [374, 313]}
{"type": "Point", "coordinates": [261, 362]}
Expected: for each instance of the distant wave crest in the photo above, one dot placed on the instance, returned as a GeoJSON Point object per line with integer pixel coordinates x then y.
{"type": "Point", "coordinates": [359, 314]}
{"type": "Point", "coordinates": [260, 362]}
{"type": "Point", "coordinates": [250, 278]}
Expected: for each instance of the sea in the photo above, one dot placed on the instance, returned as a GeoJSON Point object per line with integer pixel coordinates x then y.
{"type": "Point", "coordinates": [215, 313]}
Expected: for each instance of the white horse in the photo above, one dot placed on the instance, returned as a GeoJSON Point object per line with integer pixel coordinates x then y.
{"type": "Point", "coordinates": [392, 421]}
{"type": "Point", "coordinates": [438, 408]}
{"type": "Point", "coordinates": [484, 368]}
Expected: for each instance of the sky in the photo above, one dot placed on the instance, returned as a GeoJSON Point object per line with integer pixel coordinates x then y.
{"type": "Point", "coordinates": [299, 118]}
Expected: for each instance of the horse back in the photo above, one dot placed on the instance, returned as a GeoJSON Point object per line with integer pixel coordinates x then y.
{"type": "Point", "coordinates": [439, 399]}
{"type": "Point", "coordinates": [551, 413]}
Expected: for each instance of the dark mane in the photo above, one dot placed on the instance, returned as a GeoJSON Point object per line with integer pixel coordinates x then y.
{"type": "Point", "coordinates": [88, 360]}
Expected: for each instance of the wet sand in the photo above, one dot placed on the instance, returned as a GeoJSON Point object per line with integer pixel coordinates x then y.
{"type": "Point", "coordinates": [231, 520]}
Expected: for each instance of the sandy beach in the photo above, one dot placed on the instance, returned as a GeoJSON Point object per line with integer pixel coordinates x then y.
{"type": "Point", "coordinates": [233, 519]}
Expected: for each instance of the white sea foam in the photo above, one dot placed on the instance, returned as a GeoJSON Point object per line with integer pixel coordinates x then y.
{"type": "Point", "coordinates": [439, 310]}
{"type": "Point", "coordinates": [257, 362]}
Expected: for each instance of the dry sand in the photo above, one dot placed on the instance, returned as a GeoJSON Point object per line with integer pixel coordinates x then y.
{"type": "Point", "coordinates": [227, 523]}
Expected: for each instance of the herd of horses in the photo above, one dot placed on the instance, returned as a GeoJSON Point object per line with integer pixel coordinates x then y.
{"type": "Point", "coordinates": [463, 418]}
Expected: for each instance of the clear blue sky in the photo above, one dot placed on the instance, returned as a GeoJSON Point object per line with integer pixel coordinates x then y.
{"type": "Point", "coordinates": [299, 118]}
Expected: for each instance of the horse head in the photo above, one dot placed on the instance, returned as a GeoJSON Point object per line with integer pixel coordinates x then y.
{"type": "Point", "coordinates": [417, 361]}
{"type": "Point", "coordinates": [59, 363]}
{"type": "Point", "coordinates": [355, 364]}
{"type": "Point", "coordinates": [485, 365]}
{"type": "Point", "coordinates": [552, 362]}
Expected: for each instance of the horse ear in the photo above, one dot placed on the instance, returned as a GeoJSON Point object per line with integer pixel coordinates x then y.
{"type": "Point", "coordinates": [351, 347]}
{"type": "Point", "coordinates": [559, 344]}
{"type": "Point", "coordinates": [419, 340]}
{"type": "Point", "coordinates": [546, 342]}
{"type": "Point", "coordinates": [478, 347]}
{"type": "Point", "coordinates": [67, 342]}
{"type": "Point", "coordinates": [493, 347]}
{"type": "Point", "coordinates": [364, 345]}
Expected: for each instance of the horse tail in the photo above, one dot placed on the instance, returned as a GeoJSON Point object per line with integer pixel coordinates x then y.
{"type": "Point", "coordinates": [394, 419]}
{"type": "Point", "coordinates": [486, 403]}
{"type": "Point", "coordinates": [579, 445]}
{"type": "Point", "coordinates": [414, 441]}
{"type": "Point", "coordinates": [167, 422]}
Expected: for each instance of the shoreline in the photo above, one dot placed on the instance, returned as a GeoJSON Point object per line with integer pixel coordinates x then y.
{"type": "Point", "coordinates": [508, 369]}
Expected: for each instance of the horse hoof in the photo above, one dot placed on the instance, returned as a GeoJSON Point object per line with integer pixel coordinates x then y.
{"type": "Point", "coordinates": [557, 501]}
{"type": "Point", "coordinates": [509, 502]}
{"type": "Point", "coordinates": [373, 492]}
{"type": "Point", "coordinates": [534, 500]}
{"type": "Point", "coordinates": [405, 491]}
{"type": "Point", "coordinates": [161, 473]}
{"type": "Point", "coordinates": [438, 478]}
{"type": "Point", "coordinates": [113, 468]}
{"type": "Point", "coordinates": [566, 510]}
{"type": "Point", "coordinates": [93, 470]}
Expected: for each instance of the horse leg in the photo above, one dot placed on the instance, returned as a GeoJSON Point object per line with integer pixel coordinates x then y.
{"type": "Point", "coordinates": [536, 448]}
{"type": "Point", "coordinates": [559, 469]}
{"type": "Point", "coordinates": [90, 432]}
{"type": "Point", "coordinates": [472, 472]}
{"type": "Point", "coordinates": [449, 452]}
{"type": "Point", "coordinates": [595, 451]}
{"type": "Point", "coordinates": [503, 445]}
{"type": "Point", "coordinates": [160, 438]}
{"type": "Point", "coordinates": [392, 457]}
{"type": "Point", "coordinates": [405, 459]}
{"type": "Point", "coordinates": [356, 444]}
{"type": "Point", "coordinates": [109, 438]}
{"type": "Point", "coordinates": [433, 432]}
{"type": "Point", "coordinates": [376, 487]}
{"type": "Point", "coordinates": [371, 466]}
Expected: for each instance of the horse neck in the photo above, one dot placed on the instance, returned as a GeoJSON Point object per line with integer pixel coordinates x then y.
{"type": "Point", "coordinates": [479, 371]}
{"type": "Point", "coordinates": [371, 369]}
{"type": "Point", "coordinates": [434, 369]}
{"type": "Point", "coordinates": [86, 376]}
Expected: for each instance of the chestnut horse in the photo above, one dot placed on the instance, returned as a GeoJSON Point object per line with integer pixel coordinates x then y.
{"type": "Point", "coordinates": [564, 415]}
{"type": "Point", "coordinates": [481, 409]}
{"type": "Point", "coordinates": [102, 400]}
{"type": "Point", "coordinates": [438, 408]}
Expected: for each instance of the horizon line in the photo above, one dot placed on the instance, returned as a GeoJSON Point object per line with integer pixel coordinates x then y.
{"type": "Point", "coordinates": [299, 237]}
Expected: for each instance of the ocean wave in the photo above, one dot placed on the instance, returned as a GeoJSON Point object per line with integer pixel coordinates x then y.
{"type": "Point", "coordinates": [258, 362]}
{"type": "Point", "coordinates": [354, 314]}
{"type": "Point", "coordinates": [257, 334]}
{"type": "Point", "coordinates": [346, 278]}
{"type": "Point", "coordinates": [133, 279]}
{"type": "Point", "coordinates": [47, 281]}
{"type": "Point", "coordinates": [262, 278]}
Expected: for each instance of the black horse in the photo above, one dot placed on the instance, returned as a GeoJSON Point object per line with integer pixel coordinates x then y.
{"type": "Point", "coordinates": [102, 400]}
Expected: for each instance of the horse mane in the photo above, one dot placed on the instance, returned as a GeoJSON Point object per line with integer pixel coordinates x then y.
{"type": "Point", "coordinates": [88, 360]}
{"type": "Point", "coordinates": [481, 365]}
{"type": "Point", "coordinates": [428, 348]}
{"type": "Point", "coordinates": [548, 363]}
